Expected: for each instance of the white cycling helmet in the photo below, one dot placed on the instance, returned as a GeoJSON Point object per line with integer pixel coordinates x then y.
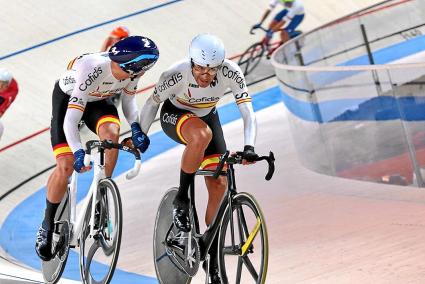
{"type": "Point", "coordinates": [207, 50]}
{"type": "Point", "coordinates": [5, 76]}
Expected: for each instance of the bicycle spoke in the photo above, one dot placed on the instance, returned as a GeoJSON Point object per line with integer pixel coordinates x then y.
{"type": "Point", "coordinates": [240, 226]}
{"type": "Point", "coordinates": [239, 270]}
{"type": "Point", "coordinates": [250, 267]}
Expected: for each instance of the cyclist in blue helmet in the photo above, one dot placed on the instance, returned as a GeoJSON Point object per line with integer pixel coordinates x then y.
{"type": "Point", "coordinates": [81, 94]}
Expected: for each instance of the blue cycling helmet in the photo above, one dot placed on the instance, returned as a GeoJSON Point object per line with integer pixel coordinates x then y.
{"type": "Point", "coordinates": [134, 54]}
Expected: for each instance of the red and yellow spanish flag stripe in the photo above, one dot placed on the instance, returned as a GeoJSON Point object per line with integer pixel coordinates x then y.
{"type": "Point", "coordinates": [244, 101]}
{"type": "Point", "coordinates": [200, 105]}
{"type": "Point", "coordinates": [105, 119]}
{"type": "Point", "coordinates": [61, 150]}
{"type": "Point", "coordinates": [78, 107]}
{"type": "Point", "coordinates": [129, 92]}
{"type": "Point", "coordinates": [182, 120]}
{"type": "Point", "coordinates": [71, 63]}
{"type": "Point", "coordinates": [211, 162]}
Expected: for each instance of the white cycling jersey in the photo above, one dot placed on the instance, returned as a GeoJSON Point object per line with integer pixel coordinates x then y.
{"type": "Point", "coordinates": [89, 78]}
{"type": "Point", "coordinates": [179, 86]}
{"type": "Point", "coordinates": [296, 9]}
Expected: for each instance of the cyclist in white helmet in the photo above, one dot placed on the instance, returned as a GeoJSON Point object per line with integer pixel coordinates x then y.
{"type": "Point", "coordinates": [8, 92]}
{"type": "Point", "coordinates": [190, 90]}
{"type": "Point", "coordinates": [291, 15]}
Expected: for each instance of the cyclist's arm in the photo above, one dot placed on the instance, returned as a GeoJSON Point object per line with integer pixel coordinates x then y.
{"type": "Point", "coordinates": [265, 15]}
{"type": "Point", "coordinates": [161, 92]}
{"type": "Point", "coordinates": [148, 113]}
{"type": "Point", "coordinates": [73, 115]}
{"type": "Point", "coordinates": [106, 44]}
{"type": "Point", "coordinates": [244, 102]}
{"type": "Point", "coordinates": [76, 106]}
{"type": "Point", "coordinates": [129, 104]}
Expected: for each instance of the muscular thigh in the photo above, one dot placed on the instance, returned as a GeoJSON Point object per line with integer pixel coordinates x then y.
{"type": "Point", "coordinates": [98, 113]}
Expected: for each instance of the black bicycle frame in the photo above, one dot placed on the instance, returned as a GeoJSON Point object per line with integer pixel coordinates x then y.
{"type": "Point", "coordinates": [206, 239]}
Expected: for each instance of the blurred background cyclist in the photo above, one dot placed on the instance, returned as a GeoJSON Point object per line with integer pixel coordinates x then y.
{"type": "Point", "coordinates": [8, 93]}
{"type": "Point", "coordinates": [117, 34]}
{"type": "Point", "coordinates": [292, 15]}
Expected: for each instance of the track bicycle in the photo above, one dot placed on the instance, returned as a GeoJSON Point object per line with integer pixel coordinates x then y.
{"type": "Point", "coordinates": [239, 222]}
{"type": "Point", "coordinates": [96, 227]}
{"type": "Point", "coordinates": [252, 56]}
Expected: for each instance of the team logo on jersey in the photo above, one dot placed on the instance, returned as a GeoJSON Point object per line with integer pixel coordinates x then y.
{"type": "Point", "coordinates": [169, 82]}
{"type": "Point", "coordinates": [234, 75]}
{"type": "Point", "coordinates": [91, 77]}
{"type": "Point", "coordinates": [169, 118]}
{"type": "Point", "coordinates": [68, 80]}
{"type": "Point", "coordinates": [214, 82]}
{"type": "Point", "coordinates": [193, 86]}
{"type": "Point", "coordinates": [75, 100]}
{"type": "Point", "coordinates": [107, 83]}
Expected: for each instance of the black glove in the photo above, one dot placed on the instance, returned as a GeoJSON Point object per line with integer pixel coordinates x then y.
{"type": "Point", "coordinates": [249, 153]}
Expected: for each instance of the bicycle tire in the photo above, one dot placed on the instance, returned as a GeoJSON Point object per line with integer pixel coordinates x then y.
{"type": "Point", "coordinates": [108, 225]}
{"type": "Point", "coordinates": [250, 59]}
{"type": "Point", "coordinates": [52, 270]}
{"type": "Point", "coordinates": [166, 270]}
{"type": "Point", "coordinates": [243, 253]}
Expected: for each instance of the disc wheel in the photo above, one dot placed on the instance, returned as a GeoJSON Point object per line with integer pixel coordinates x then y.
{"type": "Point", "coordinates": [168, 269]}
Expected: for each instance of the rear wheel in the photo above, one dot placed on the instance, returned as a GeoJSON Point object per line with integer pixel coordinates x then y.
{"type": "Point", "coordinates": [251, 57]}
{"type": "Point", "coordinates": [243, 242]}
{"type": "Point", "coordinates": [53, 269]}
{"type": "Point", "coordinates": [169, 269]}
{"type": "Point", "coordinates": [99, 253]}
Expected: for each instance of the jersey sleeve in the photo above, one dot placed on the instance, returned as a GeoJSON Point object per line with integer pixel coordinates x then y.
{"type": "Point", "coordinates": [166, 86]}
{"type": "Point", "coordinates": [129, 103]}
{"type": "Point", "coordinates": [237, 83]}
{"type": "Point", "coordinates": [272, 4]}
{"type": "Point", "coordinates": [87, 73]}
{"type": "Point", "coordinates": [297, 9]}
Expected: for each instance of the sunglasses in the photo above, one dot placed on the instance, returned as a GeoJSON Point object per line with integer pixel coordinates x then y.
{"type": "Point", "coordinates": [210, 70]}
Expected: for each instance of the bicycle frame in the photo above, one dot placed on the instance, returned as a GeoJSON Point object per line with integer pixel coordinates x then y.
{"type": "Point", "coordinates": [98, 160]}
{"type": "Point", "coordinates": [206, 239]}
{"type": "Point", "coordinates": [77, 220]}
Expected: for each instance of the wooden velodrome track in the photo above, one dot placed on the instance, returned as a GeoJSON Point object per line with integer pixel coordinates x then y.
{"type": "Point", "coordinates": [321, 229]}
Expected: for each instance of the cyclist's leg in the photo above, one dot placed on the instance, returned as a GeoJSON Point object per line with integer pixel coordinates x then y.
{"type": "Point", "coordinates": [186, 128]}
{"type": "Point", "coordinates": [277, 20]}
{"type": "Point", "coordinates": [290, 30]}
{"type": "Point", "coordinates": [58, 179]}
{"type": "Point", "coordinates": [216, 187]}
{"type": "Point", "coordinates": [101, 117]}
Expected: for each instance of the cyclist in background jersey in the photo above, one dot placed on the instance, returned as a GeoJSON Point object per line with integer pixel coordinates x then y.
{"type": "Point", "coordinates": [291, 16]}
{"type": "Point", "coordinates": [80, 94]}
{"type": "Point", "coordinates": [8, 92]}
{"type": "Point", "coordinates": [117, 34]}
{"type": "Point", "coordinates": [190, 90]}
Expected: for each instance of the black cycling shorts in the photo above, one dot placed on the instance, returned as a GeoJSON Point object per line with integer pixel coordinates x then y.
{"type": "Point", "coordinates": [173, 118]}
{"type": "Point", "coordinates": [95, 114]}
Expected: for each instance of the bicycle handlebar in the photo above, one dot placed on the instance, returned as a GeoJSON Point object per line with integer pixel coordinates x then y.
{"type": "Point", "coordinates": [237, 158]}
{"type": "Point", "coordinates": [108, 144]}
{"type": "Point", "coordinates": [253, 29]}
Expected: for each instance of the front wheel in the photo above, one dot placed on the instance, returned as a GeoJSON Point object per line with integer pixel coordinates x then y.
{"type": "Point", "coordinates": [99, 253]}
{"type": "Point", "coordinates": [53, 269]}
{"type": "Point", "coordinates": [251, 57]}
{"type": "Point", "coordinates": [243, 242]}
